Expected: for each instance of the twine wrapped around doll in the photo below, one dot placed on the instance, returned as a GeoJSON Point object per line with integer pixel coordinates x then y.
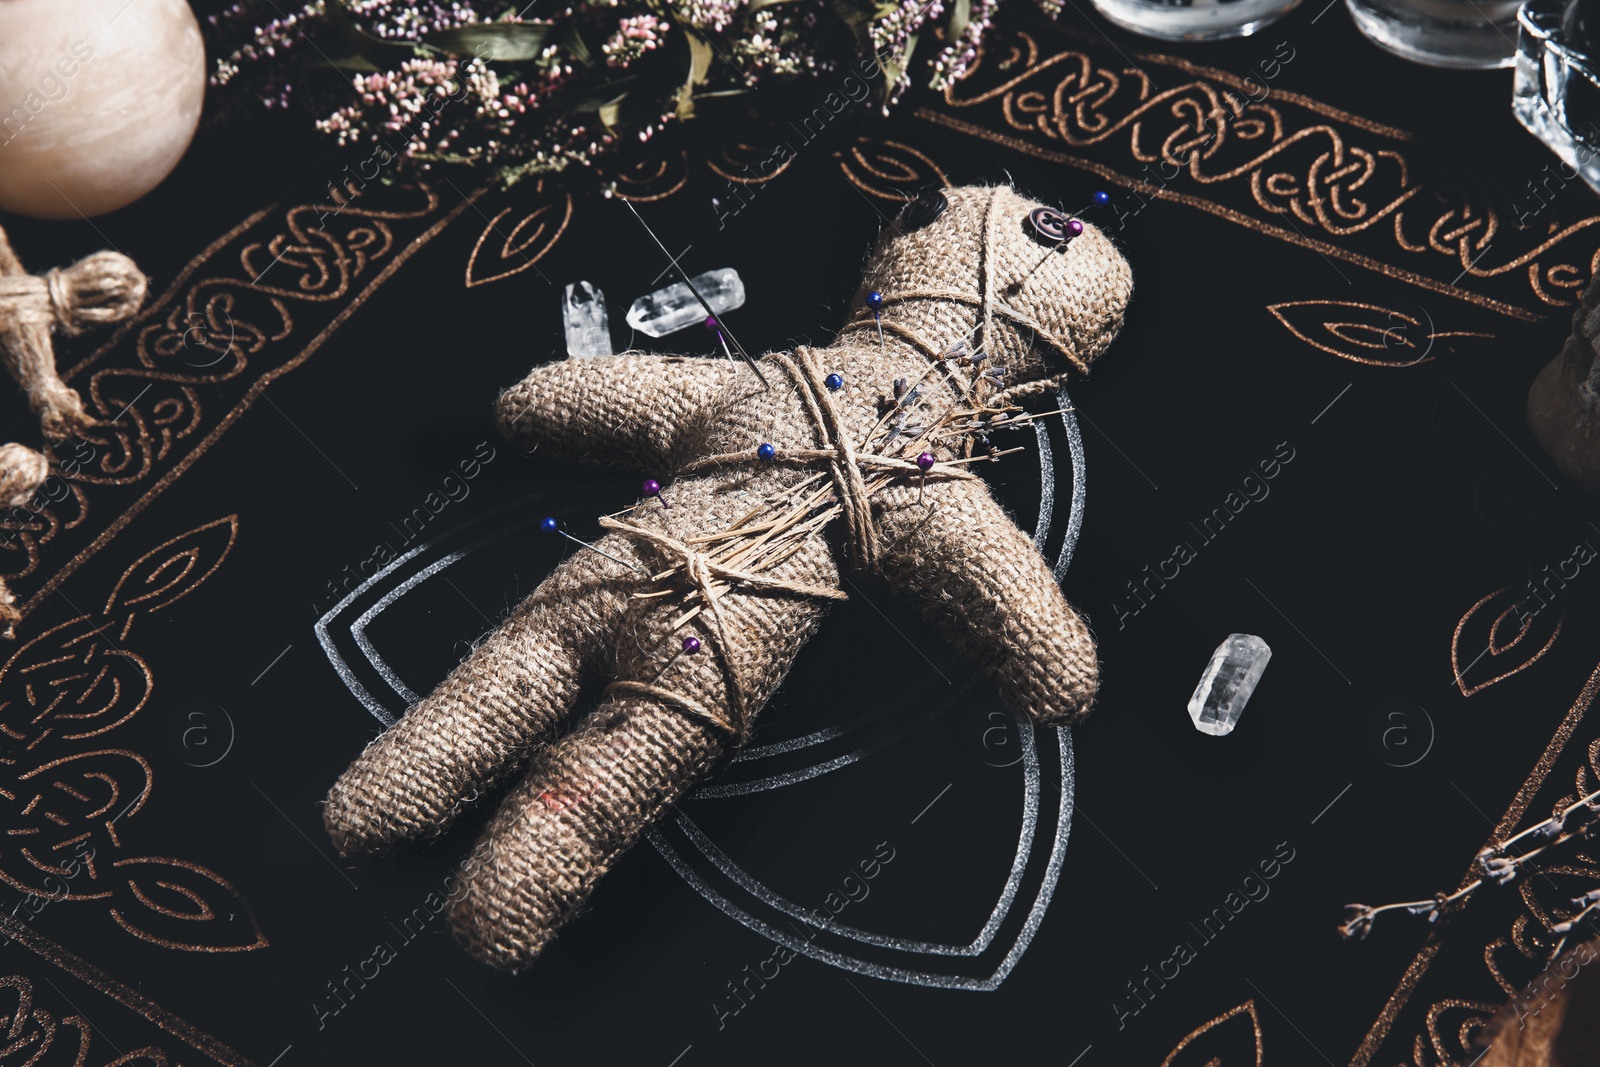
{"type": "Point", "coordinates": [103, 288]}
{"type": "Point", "coordinates": [871, 440]}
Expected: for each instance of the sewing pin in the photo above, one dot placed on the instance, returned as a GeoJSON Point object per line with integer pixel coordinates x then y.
{"type": "Point", "coordinates": [875, 302]}
{"type": "Point", "coordinates": [549, 525]}
{"type": "Point", "coordinates": [1071, 229]}
{"type": "Point", "coordinates": [684, 277]}
{"type": "Point", "coordinates": [713, 324]}
{"type": "Point", "coordinates": [925, 464]}
{"type": "Point", "coordinates": [652, 487]}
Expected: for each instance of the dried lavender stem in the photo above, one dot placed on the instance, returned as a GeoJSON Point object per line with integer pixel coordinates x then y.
{"type": "Point", "coordinates": [1568, 810]}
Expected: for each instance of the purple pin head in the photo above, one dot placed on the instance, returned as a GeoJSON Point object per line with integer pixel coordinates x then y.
{"type": "Point", "coordinates": [651, 487]}
{"type": "Point", "coordinates": [1074, 228]}
{"type": "Point", "coordinates": [712, 323]}
{"type": "Point", "coordinates": [925, 462]}
{"type": "Point", "coordinates": [691, 645]}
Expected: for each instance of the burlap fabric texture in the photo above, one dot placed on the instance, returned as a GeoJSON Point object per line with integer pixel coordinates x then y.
{"type": "Point", "coordinates": [719, 565]}
{"type": "Point", "coordinates": [103, 288]}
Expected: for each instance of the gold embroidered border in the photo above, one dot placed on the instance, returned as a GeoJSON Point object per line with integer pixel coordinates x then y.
{"type": "Point", "coordinates": [1275, 162]}
{"type": "Point", "coordinates": [34, 1025]}
{"type": "Point", "coordinates": [254, 305]}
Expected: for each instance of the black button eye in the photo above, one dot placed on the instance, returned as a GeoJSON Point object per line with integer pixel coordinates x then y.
{"type": "Point", "coordinates": [929, 205]}
{"type": "Point", "coordinates": [1051, 227]}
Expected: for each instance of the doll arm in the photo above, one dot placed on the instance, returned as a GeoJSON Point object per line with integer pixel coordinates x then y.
{"type": "Point", "coordinates": [963, 564]}
{"type": "Point", "coordinates": [630, 410]}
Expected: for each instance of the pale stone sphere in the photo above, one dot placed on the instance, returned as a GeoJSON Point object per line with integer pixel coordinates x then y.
{"type": "Point", "coordinates": [98, 101]}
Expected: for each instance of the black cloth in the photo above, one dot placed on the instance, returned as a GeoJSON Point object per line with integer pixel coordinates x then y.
{"type": "Point", "coordinates": [1347, 271]}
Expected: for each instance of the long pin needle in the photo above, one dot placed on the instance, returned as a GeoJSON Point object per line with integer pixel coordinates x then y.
{"type": "Point", "coordinates": [603, 552]}
{"type": "Point", "coordinates": [600, 551]}
{"type": "Point", "coordinates": [551, 525]}
{"type": "Point", "coordinates": [684, 276]}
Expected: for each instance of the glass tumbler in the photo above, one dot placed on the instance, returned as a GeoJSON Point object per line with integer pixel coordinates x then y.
{"type": "Point", "coordinates": [1194, 20]}
{"type": "Point", "coordinates": [1470, 34]}
{"type": "Point", "coordinates": [1556, 94]}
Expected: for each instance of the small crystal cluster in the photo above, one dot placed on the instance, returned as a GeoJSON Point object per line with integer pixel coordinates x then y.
{"type": "Point", "coordinates": [413, 78]}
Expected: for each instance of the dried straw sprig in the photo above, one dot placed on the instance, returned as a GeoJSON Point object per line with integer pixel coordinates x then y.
{"type": "Point", "coordinates": [1501, 869]}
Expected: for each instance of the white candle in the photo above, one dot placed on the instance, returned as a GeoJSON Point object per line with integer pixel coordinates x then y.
{"type": "Point", "coordinates": [98, 100]}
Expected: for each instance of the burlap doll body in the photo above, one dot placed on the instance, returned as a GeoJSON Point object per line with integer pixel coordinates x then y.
{"type": "Point", "coordinates": [697, 608]}
{"type": "Point", "coordinates": [102, 288]}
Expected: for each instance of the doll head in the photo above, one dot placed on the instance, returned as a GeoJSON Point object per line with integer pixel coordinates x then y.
{"type": "Point", "coordinates": [1035, 288]}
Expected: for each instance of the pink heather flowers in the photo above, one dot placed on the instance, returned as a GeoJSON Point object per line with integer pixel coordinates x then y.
{"type": "Point", "coordinates": [635, 36]}
{"type": "Point", "coordinates": [472, 82]}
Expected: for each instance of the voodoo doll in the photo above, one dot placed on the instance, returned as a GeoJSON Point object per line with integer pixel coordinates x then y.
{"type": "Point", "coordinates": [787, 475]}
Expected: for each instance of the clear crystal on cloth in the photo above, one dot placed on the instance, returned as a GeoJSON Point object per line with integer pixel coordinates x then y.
{"type": "Point", "coordinates": [674, 307]}
{"type": "Point", "coordinates": [1227, 683]}
{"type": "Point", "coordinates": [583, 317]}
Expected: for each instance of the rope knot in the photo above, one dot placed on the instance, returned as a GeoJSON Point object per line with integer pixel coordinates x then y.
{"type": "Point", "coordinates": [855, 499]}
{"type": "Point", "coordinates": [707, 580]}
{"type": "Point", "coordinates": [61, 303]}
{"type": "Point", "coordinates": [103, 288]}
{"type": "Point", "coordinates": [697, 569]}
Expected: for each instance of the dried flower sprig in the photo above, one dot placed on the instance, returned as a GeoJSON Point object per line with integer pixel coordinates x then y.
{"type": "Point", "coordinates": [1499, 868]}
{"type": "Point", "coordinates": [470, 82]}
{"type": "Point", "coordinates": [1588, 903]}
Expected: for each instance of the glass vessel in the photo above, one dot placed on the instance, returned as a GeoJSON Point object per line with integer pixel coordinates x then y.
{"type": "Point", "coordinates": [1471, 34]}
{"type": "Point", "coordinates": [1556, 93]}
{"type": "Point", "coordinates": [1194, 20]}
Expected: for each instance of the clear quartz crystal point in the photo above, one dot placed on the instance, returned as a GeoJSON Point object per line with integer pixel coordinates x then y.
{"type": "Point", "coordinates": [1227, 683]}
{"type": "Point", "coordinates": [674, 307]}
{"type": "Point", "coordinates": [583, 317]}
